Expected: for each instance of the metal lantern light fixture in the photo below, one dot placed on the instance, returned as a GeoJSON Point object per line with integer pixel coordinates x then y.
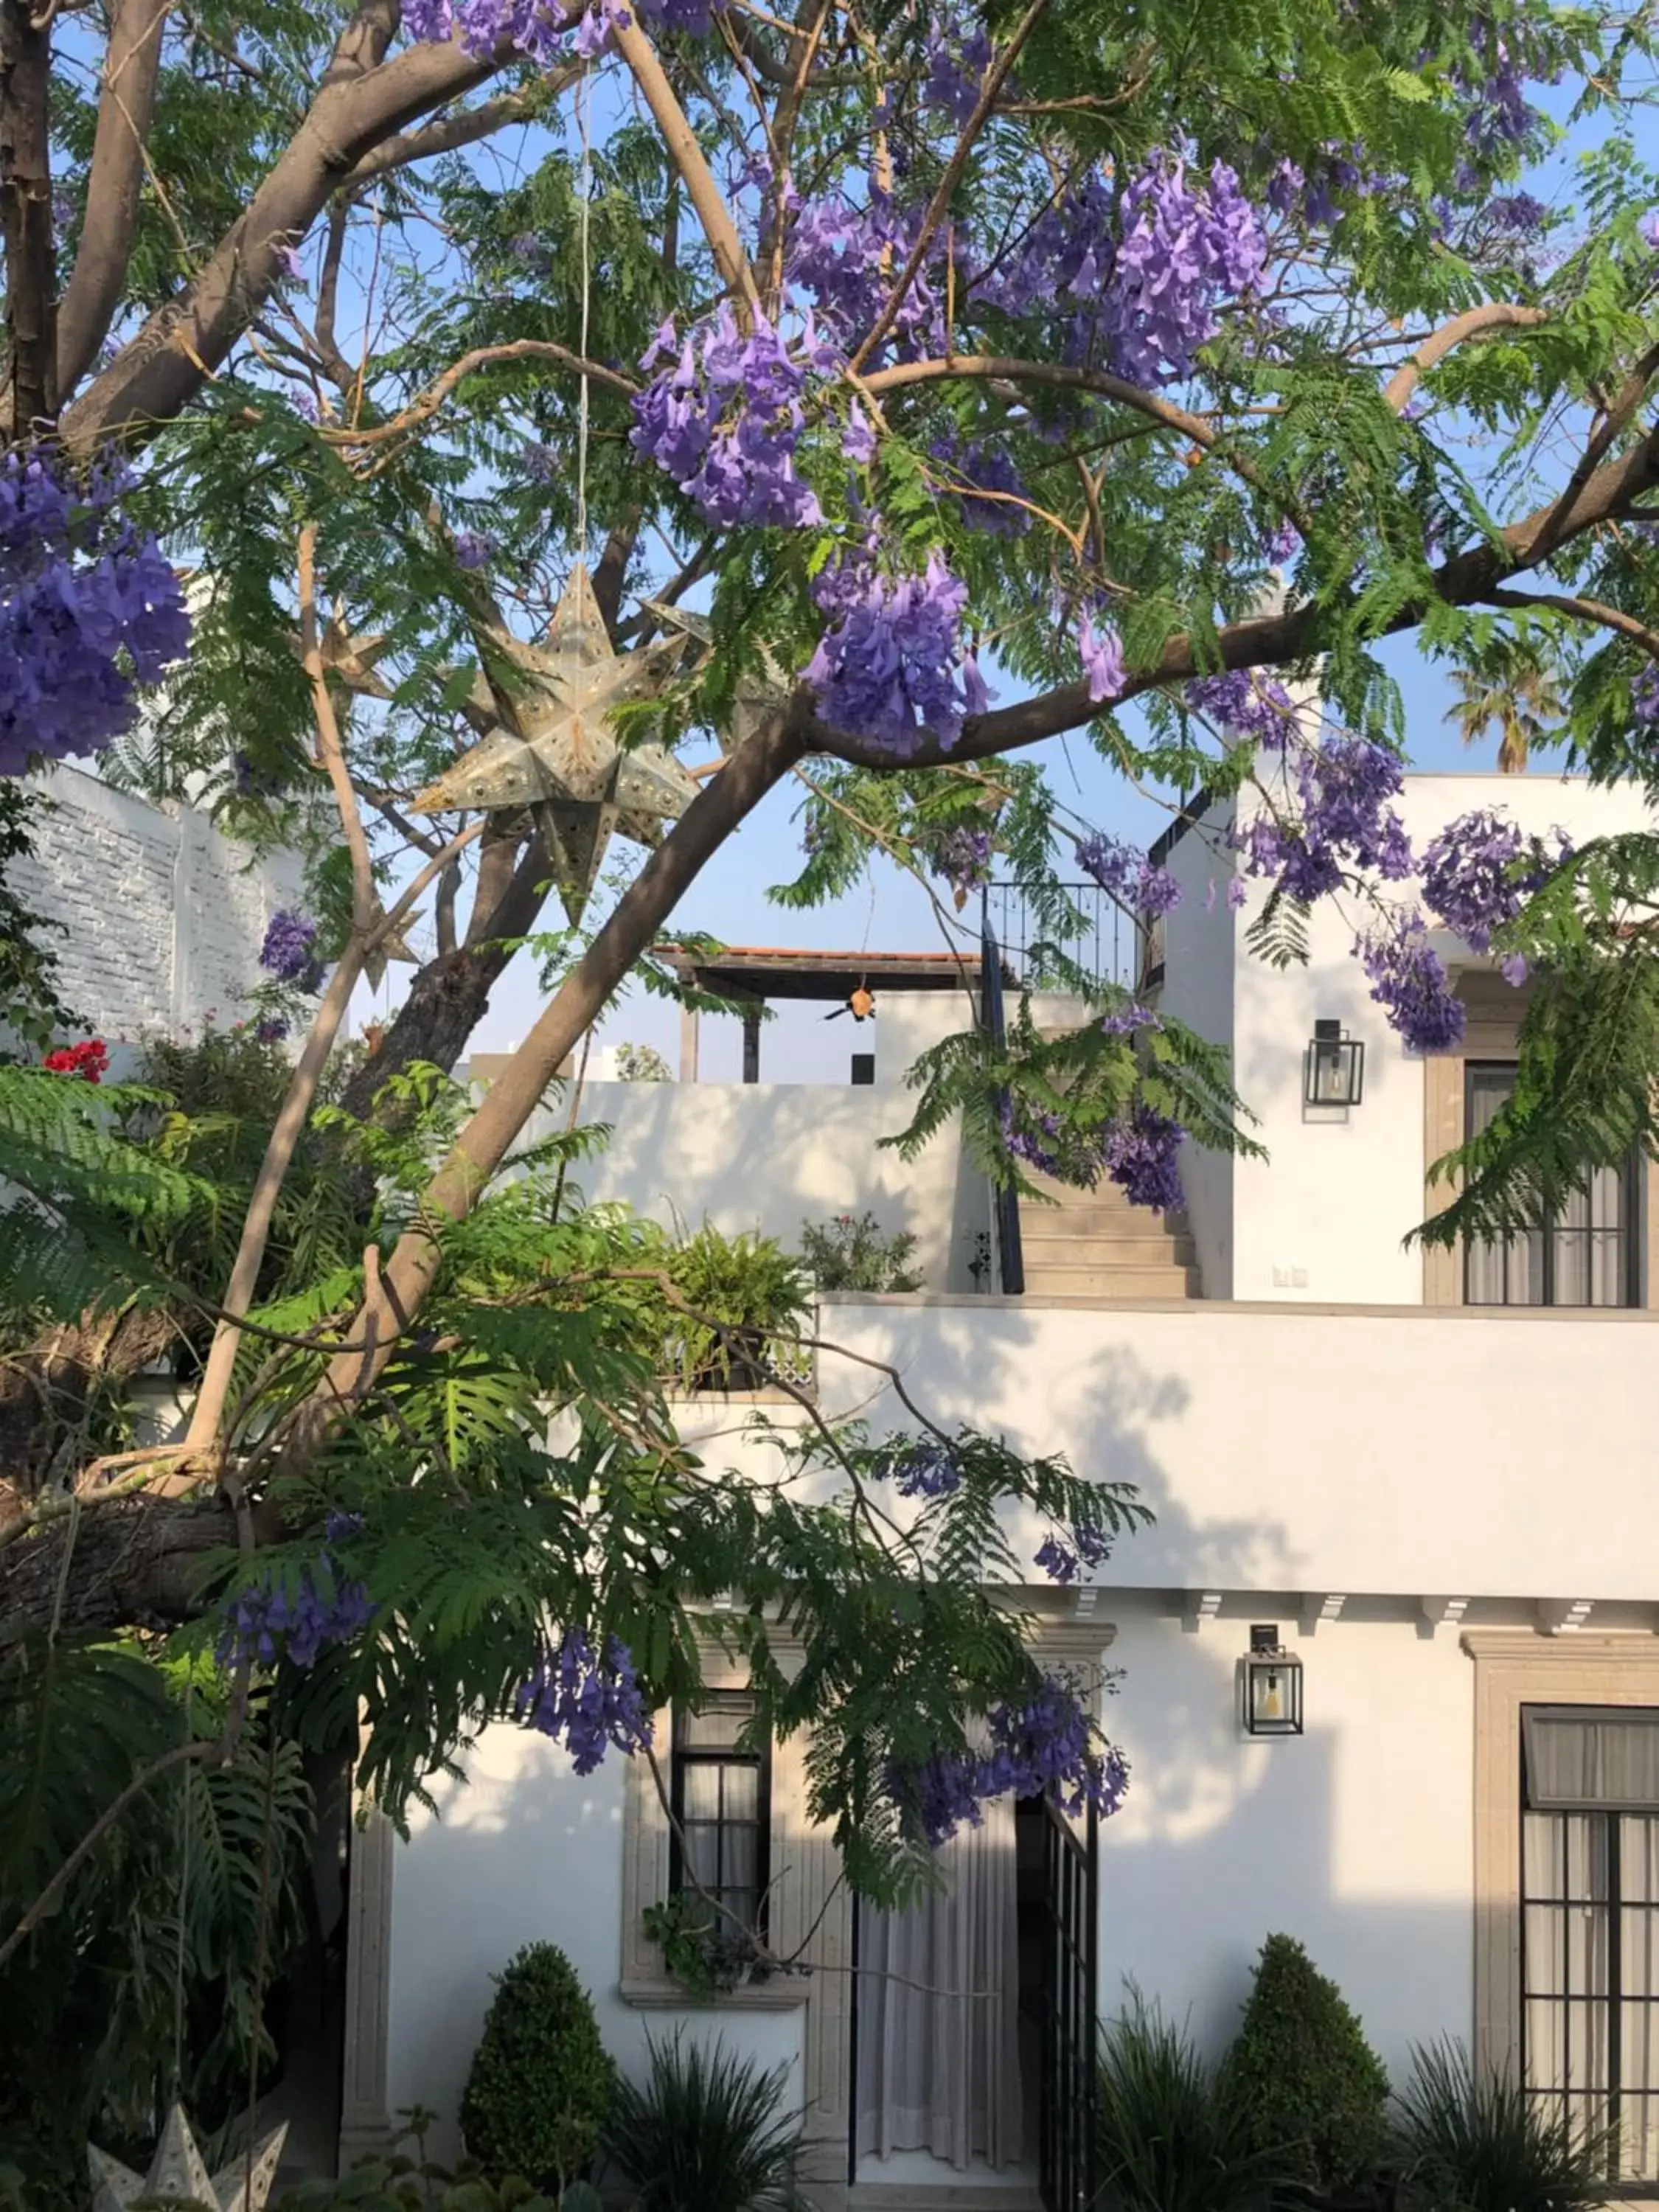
{"type": "Point", "coordinates": [1271, 1686]}
{"type": "Point", "coordinates": [1335, 1067]}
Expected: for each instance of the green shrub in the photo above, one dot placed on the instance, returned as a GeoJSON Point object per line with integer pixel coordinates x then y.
{"type": "Point", "coordinates": [1315, 2088]}
{"type": "Point", "coordinates": [1173, 2134]}
{"type": "Point", "coordinates": [1477, 2143]}
{"type": "Point", "coordinates": [540, 2085]}
{"type": "Point", "coordinates": [850, 1253]}
{"type": "Point", "coordinates": [706, 2134]}
{"type": "Point", "coordinates": [748, 1297]}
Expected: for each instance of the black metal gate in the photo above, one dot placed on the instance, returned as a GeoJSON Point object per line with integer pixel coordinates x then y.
{"type": "Point", "coordinates": [1010, 1261]}
{"type": "Point", "coordinates": [1071, 1902]}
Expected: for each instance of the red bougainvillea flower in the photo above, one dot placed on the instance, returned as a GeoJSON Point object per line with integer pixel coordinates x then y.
{"type": "Point", "coordinates": [89, 1060]}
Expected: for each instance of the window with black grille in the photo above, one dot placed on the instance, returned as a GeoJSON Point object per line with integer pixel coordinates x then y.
{"type": "Point", "coordinates": [721, 1797]}
{"type": "Point", "coordinates": [1590, 1932]}
{"type": "Point", "coordinates": [1581, 1254]}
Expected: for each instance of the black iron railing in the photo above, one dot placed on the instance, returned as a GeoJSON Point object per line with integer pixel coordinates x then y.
{"type": "Point", "coordinates": [1067, 2156]}
{"type": "Point", "coordinates": [1011, 1260]}
{"type": "Point", "coordinates": [1057, 937]}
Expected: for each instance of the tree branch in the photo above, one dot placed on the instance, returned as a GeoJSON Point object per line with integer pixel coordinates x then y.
{"type": "Point", "coordinates": [296, 1112]}
{"type": "Point", "coordinates": [25, 226]}
{"type": "Point", "coordinates": [1467, 579]}
{"type": "Point", "coordinates": [1004, 369]}
{"type": "Point", "coordinates": [422, 410]}
{"type": "Point", "coordinates": [995, 76]}
{"type": "Point", "coordinates": [445, 134]}
{"type": "Point", "coordinates": [335, 363]}
{"type": "Point", "coordinates": [145, 1779]}
{"type": "Point", "coordinates": [362, 100]}
{"type": "Point", "coordinates": [126, 103]}
{"type": "Point", "coordinates": [680, 142]}
{"type": "Point", "coordinates": [1590, 610]}
{"type": "Point", "coordinates": [611, 575]}
{"type": "Point", "coordinates": [1474, 322]}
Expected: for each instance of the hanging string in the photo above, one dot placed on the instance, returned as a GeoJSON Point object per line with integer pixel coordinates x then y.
{"type": "Point", "coordinates": [585, 188]}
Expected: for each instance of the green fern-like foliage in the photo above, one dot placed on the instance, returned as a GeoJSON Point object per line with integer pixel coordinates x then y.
{"type": "Point", "coordinates": [1589, 1046]}
{"type": "Point", "coordinates": [196, 1879]}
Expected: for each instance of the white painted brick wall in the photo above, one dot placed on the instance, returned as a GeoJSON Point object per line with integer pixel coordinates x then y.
{"type": "Point", "coordinates": [164, 916]}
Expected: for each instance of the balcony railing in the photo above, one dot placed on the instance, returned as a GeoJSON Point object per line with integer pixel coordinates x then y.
{"type": "Point", "coordinates": [1064, 937]}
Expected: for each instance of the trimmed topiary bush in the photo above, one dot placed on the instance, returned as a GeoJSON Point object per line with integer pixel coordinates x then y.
{"type": "Point", "coordinates": [540, 2088]}
{"type": "Point", "coordinates": [1316, 2093]}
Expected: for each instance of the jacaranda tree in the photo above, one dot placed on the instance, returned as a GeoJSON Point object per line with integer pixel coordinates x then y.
{"type": "Point", "coordinates": [917, 387]}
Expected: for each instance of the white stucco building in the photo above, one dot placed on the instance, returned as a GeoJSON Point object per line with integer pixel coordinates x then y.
{"type": "Point", "coordinates": [1432, 1478]}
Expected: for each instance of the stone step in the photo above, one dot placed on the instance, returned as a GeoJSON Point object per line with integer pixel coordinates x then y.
{"type": "Point", "coordinates": [1128, 1224]}
{"type": "Point", "coordinates": [1045, 1280]}
{"type": "Point", "coordinates": [1151, 1250]}
{"type": "Point", "coordinates": [1099, 1217]}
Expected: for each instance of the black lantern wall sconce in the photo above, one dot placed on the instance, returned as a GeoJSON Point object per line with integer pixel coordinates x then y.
{"type": "Point", "coordinates": [1335, 1067]}
{"type": "Point", "coordinates": [1270, 1685]}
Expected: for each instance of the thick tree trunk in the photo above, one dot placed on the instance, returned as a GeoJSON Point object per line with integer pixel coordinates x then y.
{"type": "Point", "coordinates": [26, 214]}
{"type": "Point", "coordinates": [136, 1564]}
{"type": "Point", "coordinates": [446, 1001]}
{"type": "Point", "coordinates": [45, 1391]}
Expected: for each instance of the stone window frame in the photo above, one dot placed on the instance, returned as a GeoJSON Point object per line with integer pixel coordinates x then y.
{"type": "Point", "coordinates": [1515, 1667]}
{"type": "Point", "coordinates": [1496, 1011]}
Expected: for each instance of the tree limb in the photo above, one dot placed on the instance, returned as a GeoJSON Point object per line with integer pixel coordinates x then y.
{"type": "Point", "coordinates": [445, 134]}
{"type": "Point", "coordinates": [1465, 580]}
{"type": "Point", "coordinates": [680, 142]}
{"type": "Point", "coordinates": [126, 103]}
{"type": "Point", "coordinates": [1590, 610]}
{"type": "Point", "coordinates": [26, 225]}
{"type": "Point", "coordinates": [422, 410]}
{"type": "Point", "coordinates": [334, 361]}
{"type": "Point", "coordinates": [482, 1145]}
{"type": "Point", "coordinates": [362, 100]}
{"type": "Point", "coordinates": [145, 1780]}
{"type": "Point", "coordinates": [1474, 322]}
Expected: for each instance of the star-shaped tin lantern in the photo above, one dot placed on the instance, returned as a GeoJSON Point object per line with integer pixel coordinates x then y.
{"type": "Point", "coordinates": [563, 760]}
{"type": "Point", "coordinates": [178, 2174]}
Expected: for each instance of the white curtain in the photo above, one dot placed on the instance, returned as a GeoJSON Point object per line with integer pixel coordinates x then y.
{"type": "Point", "coordinates": [1592, 1758]}
{"type": "Point", "coordinates": [937, 2011]}
{"type": "Point", "coordinates": [1510, 1271]}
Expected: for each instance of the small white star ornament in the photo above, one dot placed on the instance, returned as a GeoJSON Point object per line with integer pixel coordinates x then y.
{"type": "Point", "coordinates": [178, 2174]}
{"type": "Point", "coordinates": [562, 761]}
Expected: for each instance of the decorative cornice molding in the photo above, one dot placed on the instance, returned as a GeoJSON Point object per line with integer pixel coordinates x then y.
{"type": "Point", "coordinates": [1584, 1648]}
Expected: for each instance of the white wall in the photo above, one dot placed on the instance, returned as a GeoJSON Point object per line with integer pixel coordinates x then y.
{"type": "Point", "coordinates": [1395, 1457]}
{"type": "Point", "coordinates": [525, 1851]}
{"type": "Point", "coordinates": [768, 1155]}
{"type": "Point", "coordinates": [1356, 1839]}
{"type": "Point", "coordinates": [1502, 1455]}
{"type": "Point", "coordinates": [1323, 1217]}
{"type": "Point", "coordinates": [164, 917]}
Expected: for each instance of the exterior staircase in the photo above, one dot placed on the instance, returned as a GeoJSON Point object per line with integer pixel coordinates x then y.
{"type": "Point", "coordinates": [1094, 1247]}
